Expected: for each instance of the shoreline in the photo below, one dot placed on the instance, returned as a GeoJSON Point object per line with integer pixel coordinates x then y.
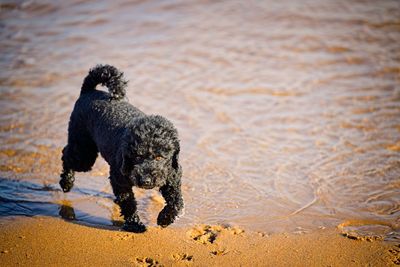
{"type": "Point", "coordinates": [44, 241]}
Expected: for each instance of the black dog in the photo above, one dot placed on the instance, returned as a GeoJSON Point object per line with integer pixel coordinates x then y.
{"type": "Point", "coordinates": [141, 150]}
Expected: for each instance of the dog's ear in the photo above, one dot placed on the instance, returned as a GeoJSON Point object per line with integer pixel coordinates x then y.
{"type": "Point", "coordinates": [125, 164]}
{"type": "Point", "coordinates": [125, 154]}
{"type": "Point", "coordinates": [175, 157]}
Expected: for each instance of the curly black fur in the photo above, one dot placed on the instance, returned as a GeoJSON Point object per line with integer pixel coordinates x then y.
{"type": "Point", "coordinates": [141, 150]}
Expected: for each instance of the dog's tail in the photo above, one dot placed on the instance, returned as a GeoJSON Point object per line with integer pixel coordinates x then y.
{"type": "Point", "coordinates": [108, 76]}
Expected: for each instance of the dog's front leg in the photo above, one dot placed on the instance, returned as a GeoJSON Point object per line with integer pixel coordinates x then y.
{"type": "Point", "coordinates": [127, 203]}
{"type": "Point", "coordinates": [173, 197]}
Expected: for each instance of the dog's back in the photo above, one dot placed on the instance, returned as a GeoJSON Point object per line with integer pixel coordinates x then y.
{"type": "Point", "coordinates": [100, 117]}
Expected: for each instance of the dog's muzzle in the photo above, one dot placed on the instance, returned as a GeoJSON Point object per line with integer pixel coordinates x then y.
{"type": "Point", "coordinates": [145, 182]}
{"type": "Point", "coordinates": [146, 175]}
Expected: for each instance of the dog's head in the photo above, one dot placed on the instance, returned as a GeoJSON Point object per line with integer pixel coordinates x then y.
{"type": "Point", "coordinates": [149, 152]}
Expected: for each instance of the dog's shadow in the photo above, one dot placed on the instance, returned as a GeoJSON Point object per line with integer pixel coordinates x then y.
{"type": "Point", "coordinates": [26, 198]}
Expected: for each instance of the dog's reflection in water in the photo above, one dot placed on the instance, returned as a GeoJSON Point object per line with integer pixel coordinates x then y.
{"type": "Point", "coordinates": [66, 211]}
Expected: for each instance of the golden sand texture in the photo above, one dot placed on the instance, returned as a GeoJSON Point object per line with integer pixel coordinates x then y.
{"type": "Point", "coordinates": [43, 241]}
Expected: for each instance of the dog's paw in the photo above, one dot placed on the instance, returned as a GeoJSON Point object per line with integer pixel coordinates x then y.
{"type": "Point", "coordinates": [134, 227]}
{"type": "Point", "coordinates": [166, 216]}
{"type": "Point", "coordinates": [66, 184]}
{"type": "Point", "coordinates": [67, 180]}
{"type": "Point", "coordinates": [133, 224]}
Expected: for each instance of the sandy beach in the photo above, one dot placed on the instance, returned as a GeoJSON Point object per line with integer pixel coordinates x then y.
{"type": "Point", "coordinates": [288, 115]}
{"type": "Point", "coordinates": [46, 241]}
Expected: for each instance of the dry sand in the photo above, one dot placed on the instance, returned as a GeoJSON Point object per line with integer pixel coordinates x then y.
{"type": "Point", "coordinates": [44, 241]}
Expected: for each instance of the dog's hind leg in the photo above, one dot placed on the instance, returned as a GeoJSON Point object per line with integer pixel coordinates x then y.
{"type": "Point", "coordinates": [78, 155]}
{"type": "Point", "coordinates": [127, 203]}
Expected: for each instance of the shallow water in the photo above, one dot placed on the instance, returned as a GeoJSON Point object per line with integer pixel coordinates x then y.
{"type": "Point", "coordinates": [288, 111]}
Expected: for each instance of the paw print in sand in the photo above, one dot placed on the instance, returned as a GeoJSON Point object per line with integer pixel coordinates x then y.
{"type": "Point", "coordinates": [147, 262]}
{"type": "Point", "coordinates": [207, 234]}
{"type": "Point", "coordinates": [204, 234]}
{"type": "Point", "coordinates": [219, 252]}
{"type": "Point", "coordinates": [182, 257]}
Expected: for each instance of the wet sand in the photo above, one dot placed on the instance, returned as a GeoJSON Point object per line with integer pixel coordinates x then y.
{"type": "Point", "coordinates": [44, 241]}
{"type": "Point", "coordinates": [288, 111]}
